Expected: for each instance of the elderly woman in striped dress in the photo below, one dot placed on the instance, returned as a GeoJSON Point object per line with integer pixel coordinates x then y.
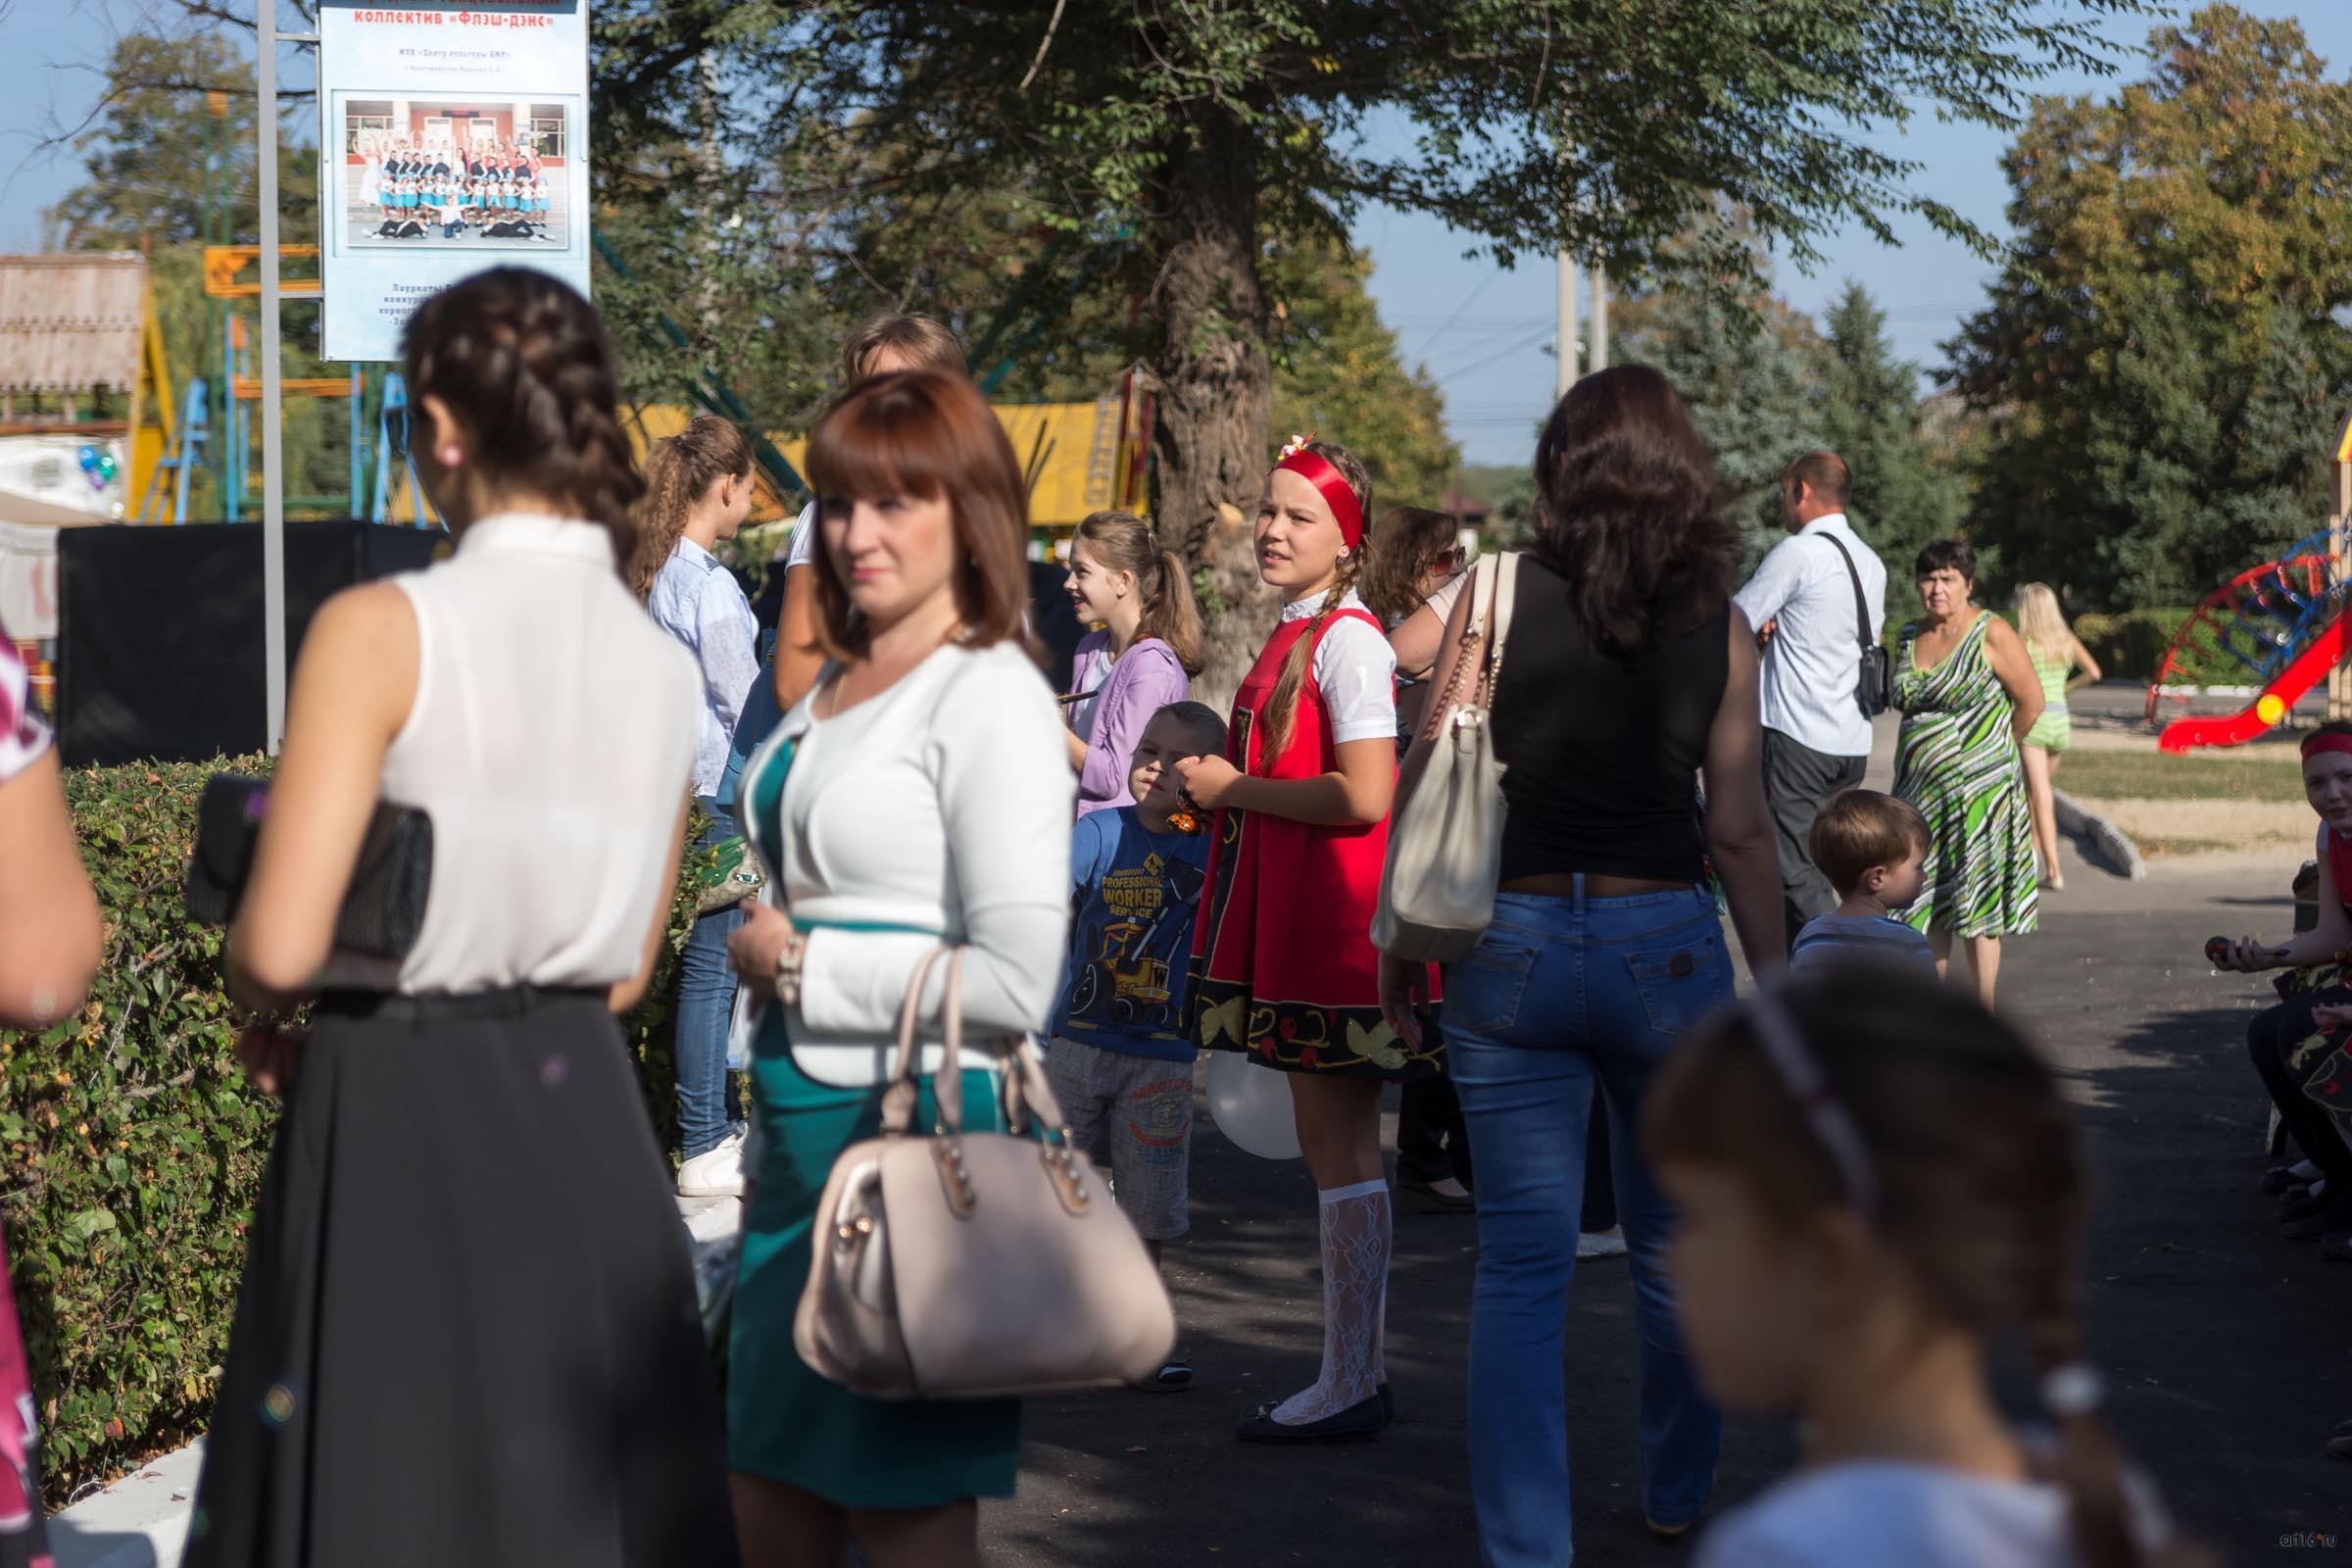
{"type": "Point", "coordinates": [1967, 693]}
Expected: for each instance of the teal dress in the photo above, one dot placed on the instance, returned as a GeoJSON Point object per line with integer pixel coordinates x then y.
{"type": "Point", "coordinates": [784, 1421]}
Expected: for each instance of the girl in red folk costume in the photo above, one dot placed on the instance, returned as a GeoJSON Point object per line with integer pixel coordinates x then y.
{"type": "Point", "coordinates": [1283, 963]}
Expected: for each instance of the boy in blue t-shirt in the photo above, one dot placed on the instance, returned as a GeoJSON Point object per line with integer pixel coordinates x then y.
{"type": "Point", "coordinates": [1874, 850]}
{"type": "Point", "coordinates": [1121, 1059]}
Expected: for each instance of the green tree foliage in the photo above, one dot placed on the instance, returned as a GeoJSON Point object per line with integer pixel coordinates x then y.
{"type": "Point", "coordinates": [169, 166]}
{"type": "Point", "coordinates": [1905, 491]}
{"type": "Point", "coordinates": [2161, 363]}
{"type": "Point", "coordinates": [1338, 372]}
{"type": "Point", "coordinates": [1752, 371]}
{"type": "Point", "coordinates": [1189, 135]}
{"type": "Point", "coordinates": [169, 156]}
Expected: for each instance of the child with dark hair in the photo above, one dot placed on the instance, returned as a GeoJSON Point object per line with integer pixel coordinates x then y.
{"type": "Point", "coordinates": [1873, 847]}
{"type": "Point", "coordinates": [1877, 1180]}
{"type": "Point", "coordinates": [1121, 1054]}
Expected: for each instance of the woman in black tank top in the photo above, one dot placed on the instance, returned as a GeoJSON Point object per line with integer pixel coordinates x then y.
{"type": "Point", "coordinates": [1627, 677]}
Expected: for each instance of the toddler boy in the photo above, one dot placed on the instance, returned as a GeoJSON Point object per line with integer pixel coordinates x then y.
{"type": "Point", "coordinates": [1873, 847]}
{"type": "Point", "coordinates": [1121, 1059]}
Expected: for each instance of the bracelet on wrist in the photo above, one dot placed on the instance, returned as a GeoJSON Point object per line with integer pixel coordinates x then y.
{"type": "Point", "coordinates": [788, 968]}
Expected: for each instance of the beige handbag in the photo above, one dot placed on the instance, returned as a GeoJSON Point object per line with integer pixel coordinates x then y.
{"type": "Point", "coordinates": [965, 1265]}
{"type": "Point", "coordinates": [1436, 886]}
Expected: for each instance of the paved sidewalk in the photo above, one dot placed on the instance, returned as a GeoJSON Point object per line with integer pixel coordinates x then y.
{"type": "Point", "coordinates": [2224, 1343]}
{"type": "Point", "coordinates": [2225, 1346]}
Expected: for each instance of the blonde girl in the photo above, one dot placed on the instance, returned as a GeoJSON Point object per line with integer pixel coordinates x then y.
{"type": "Point", "coordinates": [1141, 660]}
{"type": "Point", "coordinates": [2057, 655]}
{"type": "Point", "coordinates": [1283, 965]}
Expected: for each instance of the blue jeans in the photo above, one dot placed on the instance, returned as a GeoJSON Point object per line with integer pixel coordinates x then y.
{"type": "Point", "coordinates": [705, 1007]}
{"type": "Point", "coordinates": [1562, 996]}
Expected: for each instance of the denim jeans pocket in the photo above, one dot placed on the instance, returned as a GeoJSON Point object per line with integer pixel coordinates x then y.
{"type": "Point", "coordinates": [1683, 982]}
{"type": "Point", "coordinates": [1484, 990]}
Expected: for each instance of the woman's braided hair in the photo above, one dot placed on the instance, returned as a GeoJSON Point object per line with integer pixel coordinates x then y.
{"type": "Point", "coordinates": [524, 363]}
{"type": "Point", "coordinates": [1282, 704]}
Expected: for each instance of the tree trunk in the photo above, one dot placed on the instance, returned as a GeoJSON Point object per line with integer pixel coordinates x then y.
{"type": "Point", "coordinates": [1216, 390]}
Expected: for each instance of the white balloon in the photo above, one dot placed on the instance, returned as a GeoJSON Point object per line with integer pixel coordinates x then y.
{"type": "Point", "coordinates": [1252, 1105]}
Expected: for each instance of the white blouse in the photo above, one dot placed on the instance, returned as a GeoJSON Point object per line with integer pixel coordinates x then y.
{"type": "Point", "coordinates": [937, 812]}
{"type": "Point", "coordinates": [550, 741]}
{"type": "Point", "coordinates": [1355, 670]}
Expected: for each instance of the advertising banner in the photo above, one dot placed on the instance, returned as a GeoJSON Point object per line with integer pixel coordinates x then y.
{"type": "Point", "coordinates": [453, 138]}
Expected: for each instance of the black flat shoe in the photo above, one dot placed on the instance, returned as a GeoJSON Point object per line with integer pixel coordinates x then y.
{"type": "Point", "coordinates": [2310, 1227]}
{"type": "Point", "coordinates": [1360, 1422]}
{"type": "Point", "coordinates": [1419, 1197]}
{"type": "Point", "coordinates": [2279, 1177]}
{"type": "Point", "coordinates": [2298, 1202]}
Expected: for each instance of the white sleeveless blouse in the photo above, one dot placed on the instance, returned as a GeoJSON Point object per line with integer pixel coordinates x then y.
{"type": "Point", "coordinates": [552, 743]}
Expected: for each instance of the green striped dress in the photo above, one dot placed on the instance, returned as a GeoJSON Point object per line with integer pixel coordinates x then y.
{"type": "Point", "coordinates": [1957, 762]}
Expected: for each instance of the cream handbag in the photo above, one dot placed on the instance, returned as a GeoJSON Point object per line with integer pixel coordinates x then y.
{"type": "Point", "coordinates": [1436, 885]}
{"type": "Point", "coordinates": [960, 1266]}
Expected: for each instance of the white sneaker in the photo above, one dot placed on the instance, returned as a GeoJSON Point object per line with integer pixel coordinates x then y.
{"type": "Point", "coordinates": [714, 1173]}
{"type": "Point", "coordinates": [1600, 1244]}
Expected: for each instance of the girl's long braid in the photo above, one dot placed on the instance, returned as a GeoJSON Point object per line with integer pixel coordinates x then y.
{"type": "Point", "coordinates": [1281, 708]}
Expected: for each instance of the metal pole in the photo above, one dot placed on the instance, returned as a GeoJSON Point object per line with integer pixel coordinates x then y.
{"type": "Point", "coordinates": [1597, 330]}
{"type": "Point", "coordinates": [1564, 333]}
{"type": "Point", "coordinates": [274, 487]}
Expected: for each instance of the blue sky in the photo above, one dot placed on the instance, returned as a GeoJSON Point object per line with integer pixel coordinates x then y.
{"type": "Point", "coordinates": [1485, 332]}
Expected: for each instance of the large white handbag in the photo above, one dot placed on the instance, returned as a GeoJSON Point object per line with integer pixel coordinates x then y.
{"type": "Point", "coordinates": [1436, 886]}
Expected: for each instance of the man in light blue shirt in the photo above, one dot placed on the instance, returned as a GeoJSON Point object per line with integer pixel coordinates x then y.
{"type": "Point", "coordinates": [1802, 603]}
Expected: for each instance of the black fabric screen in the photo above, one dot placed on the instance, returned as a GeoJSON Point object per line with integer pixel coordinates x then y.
{"type": "Point", "coordinates": [159, 629]}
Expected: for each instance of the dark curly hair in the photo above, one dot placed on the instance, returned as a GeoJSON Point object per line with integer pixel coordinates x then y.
{"type": "Point", "coordinates": [1631, 510]}
{"type": "Point", "coordinates": [522, 362]}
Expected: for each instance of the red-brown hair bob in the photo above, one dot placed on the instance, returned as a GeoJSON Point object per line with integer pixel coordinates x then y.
{"type": "Point", "coordinates": [926, 433]}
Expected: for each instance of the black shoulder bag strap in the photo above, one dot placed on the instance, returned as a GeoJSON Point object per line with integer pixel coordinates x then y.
{"type": "Point", "coordinates": [1874, 686]}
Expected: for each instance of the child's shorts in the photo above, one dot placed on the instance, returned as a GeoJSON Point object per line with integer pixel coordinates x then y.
{"type": "Point", "coordinates": [1143, 1107]}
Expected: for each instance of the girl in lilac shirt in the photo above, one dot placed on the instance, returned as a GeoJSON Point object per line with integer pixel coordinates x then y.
{"type": "Point", "coordinates": [1141, 660]}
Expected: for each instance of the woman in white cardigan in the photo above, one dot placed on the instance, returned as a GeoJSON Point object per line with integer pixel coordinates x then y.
{"type": "Point", "coordinates": [918, 794]}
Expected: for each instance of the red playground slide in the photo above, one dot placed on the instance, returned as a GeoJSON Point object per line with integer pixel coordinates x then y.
{"type": "Point", "coordinates": [2308, 670]}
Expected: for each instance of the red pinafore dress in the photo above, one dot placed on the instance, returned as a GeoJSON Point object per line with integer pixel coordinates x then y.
{"type": "Point", "coordinates": [1283, 963]}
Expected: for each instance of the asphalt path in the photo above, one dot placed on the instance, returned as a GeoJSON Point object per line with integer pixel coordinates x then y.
{"type": "Point", "coordinates": [2225, 1346]}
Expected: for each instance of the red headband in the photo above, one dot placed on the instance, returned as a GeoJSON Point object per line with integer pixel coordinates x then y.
{"type": "Point", "coordinates": [1318, 471]}
{"type": "Point", "coordinates": [2317, 744]}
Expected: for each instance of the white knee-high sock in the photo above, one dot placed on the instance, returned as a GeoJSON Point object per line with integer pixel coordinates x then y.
{"type": "Point", "coordinates": [1356, 1227]}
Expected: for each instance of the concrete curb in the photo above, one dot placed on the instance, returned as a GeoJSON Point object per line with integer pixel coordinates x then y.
{"type": "Point", "coordinates": [141, 1521]}
{"type": "Point", "coordinates": [2103, 842]}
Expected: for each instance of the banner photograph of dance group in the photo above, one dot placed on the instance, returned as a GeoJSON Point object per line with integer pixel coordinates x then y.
{"type": "Point", "coordinates": [453, 138]}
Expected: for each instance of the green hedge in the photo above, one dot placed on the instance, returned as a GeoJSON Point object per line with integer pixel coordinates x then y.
{"type": "Point", "coordinates": [135, 1148]}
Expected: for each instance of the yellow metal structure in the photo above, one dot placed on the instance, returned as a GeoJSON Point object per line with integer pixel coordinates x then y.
{"type": "Point", "coordinates": [1078, 458]}
{"type": "Point", "coordinates": [224, 263]}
